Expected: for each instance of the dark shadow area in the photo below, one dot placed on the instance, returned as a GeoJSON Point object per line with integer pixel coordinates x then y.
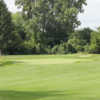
{"type": "Point", "coordinates": [17, 95]}
{"type": "Point", "coordinates": [6, 63]}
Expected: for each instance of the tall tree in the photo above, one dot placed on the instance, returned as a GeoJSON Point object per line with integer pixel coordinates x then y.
{"type": "Point", "coordinates": [6, 26]}
{"type": "Point", "coordinates": [51, 20]}
{"type": "Point", "coordinates": [23, 42]}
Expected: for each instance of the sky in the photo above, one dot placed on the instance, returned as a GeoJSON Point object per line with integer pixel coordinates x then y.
{"type": "Point", "coordinates": [90, 17]}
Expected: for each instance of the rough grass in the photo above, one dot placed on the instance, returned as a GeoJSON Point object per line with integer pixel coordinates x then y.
{"type": "Point", "coordinates": [60, 77]}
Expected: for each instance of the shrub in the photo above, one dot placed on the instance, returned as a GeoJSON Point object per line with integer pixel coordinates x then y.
{"type": "Point", "coordinates": [95, 42]}
{"type": "Point", "coordinates": [63, 48]}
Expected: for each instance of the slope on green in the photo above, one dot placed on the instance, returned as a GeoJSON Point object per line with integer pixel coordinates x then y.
{"type": "Point", "coordinates": [55, 77]}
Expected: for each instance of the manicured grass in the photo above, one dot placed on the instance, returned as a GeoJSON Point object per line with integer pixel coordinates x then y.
{"type": "Point", "coordinates": [60, 77]}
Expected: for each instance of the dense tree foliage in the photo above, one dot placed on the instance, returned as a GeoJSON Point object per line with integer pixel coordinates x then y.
{"type": "Point", "coordinates": [51, 21]}
{"type": "Point", "coordinates": [46, 27]}
{"type": "Point", "coordinates": [6, 27]}
{"type": "Point", "coordinates": [80, 39]}
{"type": "Point", "coordinates": [95, 42]}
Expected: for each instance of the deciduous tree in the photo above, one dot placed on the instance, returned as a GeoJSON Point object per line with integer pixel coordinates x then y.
{"type": "Point", "coordinates": [6, 26]}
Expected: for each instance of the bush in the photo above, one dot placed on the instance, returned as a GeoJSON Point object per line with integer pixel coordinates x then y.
{"type": "Point", "coordinates": [63, 48]}
{"type": "Point", "coordinates": [95, 42]}
{"type": "Point", "coordinates": [77, 44]}
{"type": "Point", "coordinates": [87, 48]}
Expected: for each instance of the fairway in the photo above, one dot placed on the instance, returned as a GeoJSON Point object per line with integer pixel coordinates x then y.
{"type": "Point", "coordinates": [50, 77]}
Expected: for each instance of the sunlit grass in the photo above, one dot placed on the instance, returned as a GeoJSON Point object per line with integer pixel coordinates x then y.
{"type": "Point", "coordinates": [50, 77]}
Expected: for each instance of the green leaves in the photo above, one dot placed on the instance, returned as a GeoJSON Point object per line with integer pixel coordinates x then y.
{"type": "Point", "coordinates": [51, 20]}
{"type": "Point", "coordinates": [6, 25]}
{"type": "Point", "coordinates": [95, 42]}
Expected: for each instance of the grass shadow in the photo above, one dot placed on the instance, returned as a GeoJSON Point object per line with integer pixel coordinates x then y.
{"type": "Point", "coordinates": [17, 95]}
{"type": "Point", "coordinates": [6, 63]}
{"type": "Point", "coordinates": [43, 95]}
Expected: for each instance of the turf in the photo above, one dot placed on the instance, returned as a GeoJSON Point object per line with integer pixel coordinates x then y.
{"type": "Point", "coordinates": [60, 77]}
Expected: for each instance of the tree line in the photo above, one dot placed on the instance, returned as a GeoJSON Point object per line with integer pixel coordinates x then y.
{"type": "Point", "coordinates": [46, 27]}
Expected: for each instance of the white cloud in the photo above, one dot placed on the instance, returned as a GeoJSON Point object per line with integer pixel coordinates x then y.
{"type": "Point", "coordinates": [90, 18]}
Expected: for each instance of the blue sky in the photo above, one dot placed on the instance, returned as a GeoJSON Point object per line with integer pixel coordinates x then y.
{"type": "Point", "coordinates": [90, 18]}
